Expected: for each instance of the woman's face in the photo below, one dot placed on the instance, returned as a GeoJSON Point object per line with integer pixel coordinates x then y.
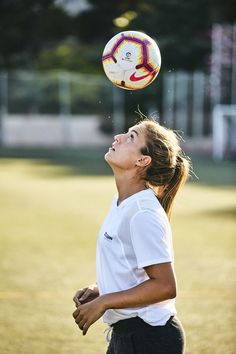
{"type": "Point", "coordinates": [125, 152]}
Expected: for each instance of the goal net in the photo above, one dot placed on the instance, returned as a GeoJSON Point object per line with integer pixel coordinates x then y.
{"type": "Point", "coordinates": [224, 132]}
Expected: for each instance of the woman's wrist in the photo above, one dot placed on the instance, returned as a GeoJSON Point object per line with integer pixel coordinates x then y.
{"type": "Point", "coordinates": [104, 302]}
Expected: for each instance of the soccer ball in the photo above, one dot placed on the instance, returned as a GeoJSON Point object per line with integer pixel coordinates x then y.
{"type": "Point", "coordinates": [131, 60]}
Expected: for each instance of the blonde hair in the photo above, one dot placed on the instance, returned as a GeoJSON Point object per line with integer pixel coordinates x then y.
{"type": "Point", "coordinates": [169, 168]}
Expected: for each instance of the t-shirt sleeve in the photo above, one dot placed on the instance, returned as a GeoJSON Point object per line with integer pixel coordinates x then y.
{"type": "Point", "coordinates": [151, 238]}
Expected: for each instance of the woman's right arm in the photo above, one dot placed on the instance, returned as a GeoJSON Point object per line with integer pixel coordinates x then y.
{"type": "Point", "coordinates": [85, 295]}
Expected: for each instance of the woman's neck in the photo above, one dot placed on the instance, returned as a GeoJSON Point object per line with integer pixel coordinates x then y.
{"type": "Point", "coordinates": [127, 186]}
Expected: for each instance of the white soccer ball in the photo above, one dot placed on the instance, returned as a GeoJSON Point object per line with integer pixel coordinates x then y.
{"type": "Point", "coordinates": [131, 60]}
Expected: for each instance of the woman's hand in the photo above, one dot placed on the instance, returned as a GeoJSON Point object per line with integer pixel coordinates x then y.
{"type": "Point", "coordinates": [85, 295]}
{"type": "Point", "coordinates": [85, 315]}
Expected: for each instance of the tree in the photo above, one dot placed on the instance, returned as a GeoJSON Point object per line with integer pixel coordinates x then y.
{"type": "Point", "coordinates": [26, 26]}
{"type": "Point", "coordinates": [181, 27]}
{"type": "Point", "coordinates": [37, 28]}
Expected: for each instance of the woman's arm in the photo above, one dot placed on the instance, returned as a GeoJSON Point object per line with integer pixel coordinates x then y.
{"type": "Point", "coordinates": [161, 286]}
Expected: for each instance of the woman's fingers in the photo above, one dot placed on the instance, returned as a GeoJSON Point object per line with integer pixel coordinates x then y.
{"type": "Point", "coordinates": [88, 313]}
{"type": "Point", "coordinates": [75, 313]}
{"type": "Point", "coordinates": [81, 324]}
{"type": "Point", "coordinates": [78, 295]}
{"type": "Point", "coordinates": [85, 295]}
{"type": "Point", "coordinates": [80, 320]}
{"type": "Point", "coordinates": [85, 328]}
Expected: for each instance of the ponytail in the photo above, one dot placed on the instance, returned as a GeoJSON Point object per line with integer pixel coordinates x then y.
{"type": "Point", "coordinates": [167, 194]}
{"type": "Point", "coordinates": [169, 168]}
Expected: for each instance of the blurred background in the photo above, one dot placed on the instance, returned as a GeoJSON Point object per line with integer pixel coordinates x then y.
{"type": "Point", "coordinates": [58, 115]}
{"type": "Point", "coordinates": [52, 85]}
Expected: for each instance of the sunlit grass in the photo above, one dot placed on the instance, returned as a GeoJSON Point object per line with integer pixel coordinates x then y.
{"type": "Point", "coordinates": [49, 222]}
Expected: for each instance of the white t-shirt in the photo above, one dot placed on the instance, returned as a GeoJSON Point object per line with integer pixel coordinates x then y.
{"type": "Point", "coordinates": [134, 235]}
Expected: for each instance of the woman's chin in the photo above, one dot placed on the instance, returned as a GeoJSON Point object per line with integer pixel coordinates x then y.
{"type": "Point", "coordinates": [107, 157]}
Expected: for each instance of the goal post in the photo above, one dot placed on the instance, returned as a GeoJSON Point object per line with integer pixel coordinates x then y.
{"type": "Point", "coordinates": [223, 131]}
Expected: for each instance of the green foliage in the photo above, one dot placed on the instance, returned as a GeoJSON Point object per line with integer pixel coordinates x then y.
{"type": "Point", "coordinates": [71, 56]}
{"type": "Point", "coordinates": [26, 27]}
{"type": "Point", "coordinates": [42, 34]}
{"type": "Point", "coordinates": [182, 28]}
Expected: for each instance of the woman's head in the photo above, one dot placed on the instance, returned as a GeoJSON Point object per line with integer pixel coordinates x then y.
{"type": "Point", "coordinates": [153, 155]}
{"type": "Point", "coordinates": [125, 154]}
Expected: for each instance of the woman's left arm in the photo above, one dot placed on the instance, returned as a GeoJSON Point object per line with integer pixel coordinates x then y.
{"type": "Point", "coordinates": [160, 286]}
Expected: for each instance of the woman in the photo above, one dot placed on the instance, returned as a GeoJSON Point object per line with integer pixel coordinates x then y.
{"type": "Point", "coordinates": [136, 286]}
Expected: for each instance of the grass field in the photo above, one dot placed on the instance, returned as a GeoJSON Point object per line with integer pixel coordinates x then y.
{"type": "Point", "coordinates": [50, 214]}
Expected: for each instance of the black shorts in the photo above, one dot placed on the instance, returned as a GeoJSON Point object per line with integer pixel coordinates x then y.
{"type": "Point", "coordinates": [134, 336]}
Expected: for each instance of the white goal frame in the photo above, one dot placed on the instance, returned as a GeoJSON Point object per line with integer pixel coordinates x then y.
{"type": "Point", "coordinates": [223, 115]}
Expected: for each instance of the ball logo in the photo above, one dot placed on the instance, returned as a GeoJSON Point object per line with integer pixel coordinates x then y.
{"type": "Point", "coordinates": [138, 78]}
{"type": "Point", "coordinates": [127, 57]}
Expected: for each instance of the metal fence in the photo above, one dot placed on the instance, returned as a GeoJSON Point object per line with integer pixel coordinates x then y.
{"type": "Point", "coordinates": [182, 100]}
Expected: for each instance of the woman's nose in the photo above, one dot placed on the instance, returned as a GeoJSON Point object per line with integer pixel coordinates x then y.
{"type": "Point", "coordinates": [117, 138]}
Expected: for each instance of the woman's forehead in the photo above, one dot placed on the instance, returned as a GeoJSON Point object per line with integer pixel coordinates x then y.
{"type": "Point", "coordinates": [138, 129]}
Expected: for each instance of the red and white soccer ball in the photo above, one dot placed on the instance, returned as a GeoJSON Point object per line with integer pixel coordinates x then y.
{"type": "Point", "coordinates": [131, 60]}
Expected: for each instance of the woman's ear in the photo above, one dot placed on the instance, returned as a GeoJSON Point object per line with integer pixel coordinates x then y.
{"type": "Point", "coordinates": [143, 161]}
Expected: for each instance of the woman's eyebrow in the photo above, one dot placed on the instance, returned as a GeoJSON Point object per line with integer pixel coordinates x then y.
{"type": "Point", "coordinates": [132, 130]}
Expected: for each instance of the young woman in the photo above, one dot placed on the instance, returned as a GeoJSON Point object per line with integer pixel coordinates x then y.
{"type": "Point", "coordinates": [136, 285]}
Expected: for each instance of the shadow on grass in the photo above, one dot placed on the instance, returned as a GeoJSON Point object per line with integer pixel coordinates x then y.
{"type": "Point", "coordinates": [229, 213]}
{"type": "Point", "coordinates": [77, 161]}
{"type": "Point", "coordinates": [214, 173]}
{"type": "Point", "coordinates": [90, 161]}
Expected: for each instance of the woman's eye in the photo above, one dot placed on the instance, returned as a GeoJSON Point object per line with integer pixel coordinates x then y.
{"type": "Point", "coordinates": [131, 136]}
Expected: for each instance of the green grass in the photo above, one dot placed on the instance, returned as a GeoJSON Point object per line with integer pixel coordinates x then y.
{"type": "Point", "coordinates": [49, 219]}
{"type": "Point", "coordinates": [85, 161]}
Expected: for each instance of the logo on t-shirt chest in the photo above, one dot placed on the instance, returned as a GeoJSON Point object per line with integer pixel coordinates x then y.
{"type": "Point", "coordinates": [107, 236]}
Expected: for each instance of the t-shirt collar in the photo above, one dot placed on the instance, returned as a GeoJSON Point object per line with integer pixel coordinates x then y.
{"type": "Point", "coordinates": [127, 200]}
